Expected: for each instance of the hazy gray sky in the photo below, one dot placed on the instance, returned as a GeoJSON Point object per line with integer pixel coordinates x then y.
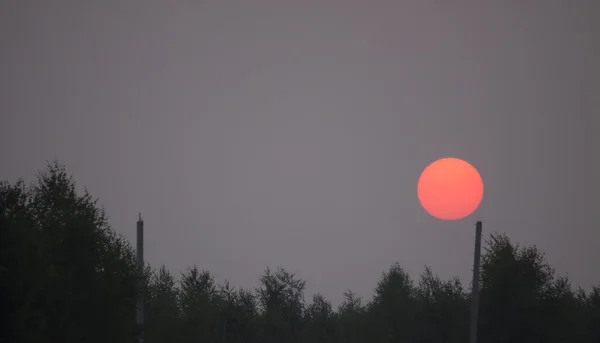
{"type": "Point", "coordinates": [278, 133]}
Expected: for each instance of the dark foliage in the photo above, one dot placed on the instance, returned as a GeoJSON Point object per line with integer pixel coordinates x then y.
{"type": "Point", "coordinates": [65, 276]}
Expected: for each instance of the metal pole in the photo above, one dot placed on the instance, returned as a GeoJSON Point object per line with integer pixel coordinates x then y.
{"type": "Point", "coordinates": [475, 289]}
{"type": "Point", "coordinates": [140, 270]}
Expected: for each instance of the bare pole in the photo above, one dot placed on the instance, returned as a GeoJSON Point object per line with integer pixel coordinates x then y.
{"type": "Point", "coordinates": [140, 271]}
{"type": "Point", "coordinates": [475, 288]}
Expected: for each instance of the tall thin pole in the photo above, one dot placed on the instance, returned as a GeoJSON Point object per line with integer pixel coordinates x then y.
{"type": "Point", "coordinates": [475, 290]}
{"type": "Point", "coordinates": [140, 271]}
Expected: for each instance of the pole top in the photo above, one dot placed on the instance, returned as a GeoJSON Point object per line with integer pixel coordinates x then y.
{"type": "Point", "coordinates": [140, 216]}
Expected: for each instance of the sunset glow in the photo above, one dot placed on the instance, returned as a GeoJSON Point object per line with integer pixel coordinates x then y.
{"type": "Point", "coordinates": [450, 189]}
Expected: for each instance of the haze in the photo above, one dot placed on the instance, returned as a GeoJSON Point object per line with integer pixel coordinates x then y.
{"type": "Point", "coordinates": [269, 133]}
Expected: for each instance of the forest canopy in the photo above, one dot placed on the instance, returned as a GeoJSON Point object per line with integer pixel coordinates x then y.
{"type": "Point", "coordinates": [66, 276]}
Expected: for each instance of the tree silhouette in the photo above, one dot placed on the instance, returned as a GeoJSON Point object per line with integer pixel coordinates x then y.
{"type": "Point", "coordinates": [442, 309]}
{"type": "Point", "coordinates": [65, 276]}
{"type": "Point", "coordinates": [281, 297]}
{"type": "Point", "coordinates": [319, 321]}
{"type": "Point", "coordinates": [197, 300]}
{"type": "Point", "coordinates": [162, 313]}
{"type": "Point", "coordinates": [69, 277]}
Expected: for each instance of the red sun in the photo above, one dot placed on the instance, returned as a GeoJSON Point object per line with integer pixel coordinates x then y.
{"type": "Point", "coordinates": [450, 189]}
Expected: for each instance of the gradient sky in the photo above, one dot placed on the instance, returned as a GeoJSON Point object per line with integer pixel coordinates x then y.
{"type": "Point", "coordinates": [278, 133]}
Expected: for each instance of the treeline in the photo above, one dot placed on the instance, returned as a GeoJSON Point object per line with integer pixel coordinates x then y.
{"type": "Point", "coordinates": [65, 276]}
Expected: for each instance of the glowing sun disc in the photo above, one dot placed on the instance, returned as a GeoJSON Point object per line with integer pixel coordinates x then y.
{"type": "Point", "coordinates": [450, 189]}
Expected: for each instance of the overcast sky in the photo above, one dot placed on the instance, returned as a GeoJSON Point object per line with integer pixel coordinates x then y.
{"type": "Point", "coordinates": [292, 133]}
